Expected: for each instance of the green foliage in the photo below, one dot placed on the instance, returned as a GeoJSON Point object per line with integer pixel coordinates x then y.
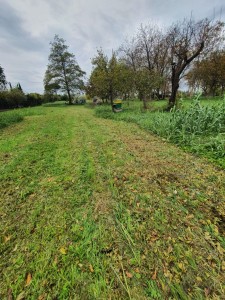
{"type": "Point", "coordinates": [110, 77]}
{"type": "Point", "coordinates": [15, 98]}
{"type": "Point", "coordinates": [12, 99]}
{"type": "Point", "coordinates": [34, 99]}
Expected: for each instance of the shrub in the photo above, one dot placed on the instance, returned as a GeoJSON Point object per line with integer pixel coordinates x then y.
{"type": "Point", "coordinates": [34, 99]}
{"type": "Point", "coordinates": [12, 99]}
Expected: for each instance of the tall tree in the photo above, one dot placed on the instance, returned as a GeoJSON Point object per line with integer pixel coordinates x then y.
{"type": "Point", "coordinates": [187, 40]}
{"type": "Point", "coordinates": [108, 77]}
{"type": "Point", "coordinates": [147, 55]}
{"type": "Point", "coordinates": [3, 81]}
{"type": "Point", "coordinates": [63, 71]}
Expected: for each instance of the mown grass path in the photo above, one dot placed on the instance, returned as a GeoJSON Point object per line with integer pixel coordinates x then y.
{"type": "Point", "coordinates": [98, 209]}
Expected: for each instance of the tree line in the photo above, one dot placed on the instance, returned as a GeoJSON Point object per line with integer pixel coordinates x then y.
{"type": "Point", "coordinates": [63, 78]}
{"type": "Point", "coordinates": [14, 97]}
{"type": "Point", "coordinates": [152, 63]}
{"type": "Point", "coordinates": [149, 65]}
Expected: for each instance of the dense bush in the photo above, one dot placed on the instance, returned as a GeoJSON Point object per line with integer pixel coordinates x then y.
{"type": "Point", "coordinates": [34, 99]}
{"type": "Point", "coordinates": [12, 99]}
{"type": "Point", "coordinates": [15, 98]}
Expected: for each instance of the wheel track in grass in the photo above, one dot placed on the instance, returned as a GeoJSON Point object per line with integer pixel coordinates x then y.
{"type": "Point", "coordinates": [137, 217]}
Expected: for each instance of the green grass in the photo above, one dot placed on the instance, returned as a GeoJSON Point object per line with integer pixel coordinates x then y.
{"type": "Point", "coordinates": [196, 126]}
{"type": "Point", "coordinates": [8, 118]}
{"type": "Point", "coordinates": [95, 209]}
{"type": "Point", "coordinates": [17, 115]}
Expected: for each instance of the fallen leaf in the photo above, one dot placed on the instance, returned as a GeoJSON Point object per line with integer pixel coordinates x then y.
{"type": "Point", "coordinates": [62, 250]}
{"type": "Point", "coordinates": [15, 248]}
{"type": "Point", "coordinates": [129, 275]}
{"type": "Point", "coordinates": [219, 248]}
{"type": "Point", "coordinates": [181, 266]}
{"type": "Point", "coordinates": [207, 236]}
{"type": "Point", "coordinates": [50, 179]}
{"type": "Point", "coordinates": [21, 296]}
{"type": "Point", "coordinates": [207, 291]}
{"type": "Point", "coordinates": [7, 238]}
{"type": "Point", "coordinates": [223, 265]}
{"type": "Point", "coordinates": [137, 270]}
{"type": "Point", "coordinates": [28, 280]}
{"type": "Point", "coordinates": [154, 275]}
{"type": "Point", "coordinates": [10, 295]}
{"type": "Point", "coordinates": [91, 269]}
{"type": "Point", "coordinates": [31, 196]}
{"type": "Point", "coordinates": [190, 216]}
{"type": "Point", "coordinates": [170, 249]}
{"type": "Point", "coordinates": [41, 297]}
{"type": "Point", "coordinates": [55, 260]}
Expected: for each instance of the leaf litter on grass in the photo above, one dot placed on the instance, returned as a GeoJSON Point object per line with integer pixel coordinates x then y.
{"type": "Point", "coordinates": [137, 217]}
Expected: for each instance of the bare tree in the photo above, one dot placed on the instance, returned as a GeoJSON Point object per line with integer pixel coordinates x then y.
{"type": "Point", "coordinates": [130, 53]}
{"type": "Point", "coordinates": [187, 40]}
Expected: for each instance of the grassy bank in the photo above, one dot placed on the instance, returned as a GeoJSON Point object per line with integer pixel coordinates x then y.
{"type": "Point", "coordinates": [95, 209]}
{"type": "Point", "coordinates": [8, 118]}
{"type": "Point", "coordinates": [196, 126]}
{"type": "Point", "coordinates": [17, 115]}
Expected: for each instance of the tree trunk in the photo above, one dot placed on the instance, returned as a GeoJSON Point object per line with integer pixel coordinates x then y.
{"type": "Point", "coordinates": [175, 87]}
{"type": "Point", "coordinates": [111, 98]}
{"type": "Point", "coordinates": [69, 96]}
{"type": "Point", "coordinates": [145, 106]}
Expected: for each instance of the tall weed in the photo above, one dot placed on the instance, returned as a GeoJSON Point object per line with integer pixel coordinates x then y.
{"type": "Point", "coordinates": [197, 128]}
{"type": "Point", "coordinates": [8, 118]}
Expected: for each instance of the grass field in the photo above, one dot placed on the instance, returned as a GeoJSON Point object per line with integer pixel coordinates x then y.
{"type": "Point", "coordinates": [99, 209]}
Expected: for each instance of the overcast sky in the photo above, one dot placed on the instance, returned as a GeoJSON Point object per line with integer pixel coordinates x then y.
{"type": "Point", "coordinates": [27, 27]}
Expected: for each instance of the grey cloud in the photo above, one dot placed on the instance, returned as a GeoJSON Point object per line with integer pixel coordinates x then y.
{"type": "Point", "coordinates": [12, 31]}
{"type": "Point", "coordinates": [26, 28]}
